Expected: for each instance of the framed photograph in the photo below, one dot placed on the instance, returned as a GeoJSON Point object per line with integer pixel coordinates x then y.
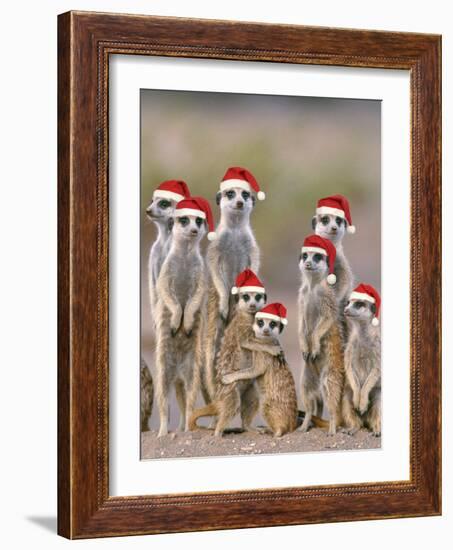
{"type": "Point", "coordinates": [249, 275]}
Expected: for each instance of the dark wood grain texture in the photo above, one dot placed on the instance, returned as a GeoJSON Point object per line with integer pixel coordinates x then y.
{"type": "Point", "coordinates": [85, 41]}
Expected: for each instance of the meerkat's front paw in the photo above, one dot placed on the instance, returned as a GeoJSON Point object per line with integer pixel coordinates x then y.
{"type": "Point", "coordinates": [228, 378]}
{"type": "Point", "coordinates": [188, 332]}
{"type": "Point", "coordinates": [363, 405]}
{"type": "Point", "coordinates": [306, 356]}
{"type": "Point", "coordinates": [376, 434]}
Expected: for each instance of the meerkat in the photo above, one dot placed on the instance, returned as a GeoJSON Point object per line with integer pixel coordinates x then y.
{"type": "Point", "coordinates": [146, 395]}
{"type": "Point", "coordinates": [273, 377]}
{"type": "Point", "coordinates": [182, 290]}
{"type": "Point", "coordinates": [234, 250]}
{"type": "Point", "coordinates": [332, 221]}
{"type": "Point", "coordinates": [320, 335]}
{"type": "Point", "coordinates": [160, 212]}
{"type": "Point", "coordinates": [361, 403]}
{"type": "Point", "coordinates": [241, 397]}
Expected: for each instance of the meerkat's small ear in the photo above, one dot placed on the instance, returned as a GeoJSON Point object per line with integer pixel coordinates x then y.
{"type": "Point", "coordinates": [218, 197]}
{"type": "Point", "coordinates": [170, 223]}
{"type": "Point", "coordinates": [265, 298]}
{"type": "Point", "coordinates": [373, 308]}
{"type": "Point", "coordinates": [253, 200]}
{"type": "Point", "coordinates": [282, 326]}
{"type": "Point", "coordinates": [236, 298]}
{"type": "Point", "coordinates": [314, 220]}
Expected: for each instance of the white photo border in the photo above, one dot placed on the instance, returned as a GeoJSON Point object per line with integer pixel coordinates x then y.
{"type": "Point", "coordinates": [127, 473]}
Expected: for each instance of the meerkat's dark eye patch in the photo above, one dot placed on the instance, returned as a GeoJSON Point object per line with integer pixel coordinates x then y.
{"type": "Point", "coordinates": [184, 221]}
{"type": "Point", "coordinates": [230, 194]}
{"type": "Point", "coordinates": [199, 221]}
{"type": "Point", "coordinates": [272, 324]}
{"type": "Point", "coordinates": [260, 323]}
{"type": "Point", "coordinates": [258, 297]}
{"type": "Point", "coordinates": [359, 305]}
{"type": "Point", "coordinates": [373, 308]}
{"type": "Point", "coordinates": [325, 220]}
{"type": "Point", "coordinates": [318, 258]}
{"type": "Point", "coordinates": [164, 204]}
{"type": "Point", "coordinates": [245, 297]}
{"type": "Point", "coordinates": [339, 221]}
{"type": "Point", "coordinates": [245, 195]}
{"type": "Point", "coordinates": [304, 256]}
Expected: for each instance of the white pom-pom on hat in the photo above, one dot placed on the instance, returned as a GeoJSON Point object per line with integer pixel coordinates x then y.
{"type": "Point", "coordinates": [351, 229]}
{"type": "Point", "coordinates": [212, 236]}
{"type": "Point", "coordinates": [331, 278]}
{"type": "Point", "coordinates": [375, 322]}
{"type": "Point", "coordinates": [261, 195]}
{"type": "Point", "coordinates": [234, 290]}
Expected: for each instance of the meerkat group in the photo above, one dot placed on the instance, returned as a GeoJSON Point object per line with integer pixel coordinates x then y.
{"type": "Point", "coordinates": [216, 336]}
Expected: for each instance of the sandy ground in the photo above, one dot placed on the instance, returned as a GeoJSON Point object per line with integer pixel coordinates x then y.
{"type": "Point", "coordinates": [203, 443]}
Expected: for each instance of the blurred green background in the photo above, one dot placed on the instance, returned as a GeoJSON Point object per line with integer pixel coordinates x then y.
{"type": "Point", "coordinates": [298, 148]}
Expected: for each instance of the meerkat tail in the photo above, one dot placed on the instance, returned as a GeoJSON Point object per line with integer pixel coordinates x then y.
{"type": "Point", "coordinates": [208, 410]}
{"type": "Point", "coordinates": [317, 420]}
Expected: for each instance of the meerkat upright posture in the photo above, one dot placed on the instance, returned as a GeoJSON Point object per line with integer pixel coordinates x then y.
{"type": "Point", "coordinates": [146, 395]}
{"type": "Point", "coordinates": [361, 403]}
{"type": "Point", "coordinates": [250, 296]}
{"type": "Point", "coordinates": [160, 211]}
{"type": "Point", "coordinates": [332, 221]}
{"type": "Point", "coordinates": [320, 336]}
{"type": "Point", "coordinates": [234, 250]}
{"type": "Point", "coordinates": [182, 291]}
{"type": "Point", "coordinates": [274, 379]}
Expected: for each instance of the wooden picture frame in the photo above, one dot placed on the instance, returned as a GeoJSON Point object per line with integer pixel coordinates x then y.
{"type": "Point", "coordinates": [85, 42]}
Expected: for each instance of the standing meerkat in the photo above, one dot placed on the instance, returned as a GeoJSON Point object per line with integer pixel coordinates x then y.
{"type": "Point", "coordinates": [274, 379]}
{"type": "Point", "coordinates": [234, 250]}
{"type": "Point", "coordinates": [146, 395]}
{"type": "Point", "coordinates": [320, 333]}
{"type": "Point", "coordinates": [243, 396]}
{"type": "Point", "coordinates": [160, 212]}
{"type": "Point", "coordinates": [361, 402]}
{"type": "Point", "coordinates": [332, 221]}
{"type": "Point", "coordinates": [182, 289]}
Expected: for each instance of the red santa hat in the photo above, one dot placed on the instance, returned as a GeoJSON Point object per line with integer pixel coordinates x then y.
{"type": "Point", "coordinates": [242, 178]}
{"type": "Point", "coordinates": [176, 190]}
{"type": "Point", "coordinates": [315, 243]}
{"type": "Point", "coordinates": [368, 293]}
{"type": "Point", "coordinates": [336, 205]}
{"type": "Point", "coordinates": [275, 311]}
{"type": "Point", "coordinates": [247, 281]}
{"type": "Point", "coordinates": [199, 207]}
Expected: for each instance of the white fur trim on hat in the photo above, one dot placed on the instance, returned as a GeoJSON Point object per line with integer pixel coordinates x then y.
{"type": "Point", "coordinates": [163, 194]}
{"type": "Point", "coordinates": [212, 236]}
{"type": "Point", "coordinates": [180, 212]}
{"type": "Point", "coordinates": [261, 315]}
{"type": "Point", "coordinates": [231, 184]}
{"type": "Point", "coordinates": [331, 278]}
{"type": "Point", "coordinates": [361, 296]}
{"type": "Point", "coordinates": [375, 322]}
{"type": "Point", "coordinates": [236, 289]}
{"type": "Point", "coordinates": [351, 229]}
{"type": "Point", "coordinates": [329, 210]}
{"type": "Point", "coordinates": [314, 249]}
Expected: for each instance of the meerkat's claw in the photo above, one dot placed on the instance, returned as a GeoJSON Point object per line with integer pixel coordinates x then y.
{"type": "Point", "coordinates": [188, 333]}
{"type": "Point", "coordinates": [376, 434]}
{"type": "Point", "coordinates": [305, 356]}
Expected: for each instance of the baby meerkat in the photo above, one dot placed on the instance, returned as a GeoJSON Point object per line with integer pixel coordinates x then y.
{"type": "Point", "coordinates": [160, 212]}
{"type": "Point", "coordinates": [182, 289]}
{"type": "Point", "coordinates": [274, 379]}
{"type": "Point", "coordinates": [332, 221]}
{"type": "Point", "coordinates": [146, 395]}
{"type": "Point", "coordinates": [361, 402]}
{"type": "Point", "coordinates": [233, 357]}
{"type": "Point", "coordinates": [320, 333]}
{"type": "Point", "coordinates": [234, 250]}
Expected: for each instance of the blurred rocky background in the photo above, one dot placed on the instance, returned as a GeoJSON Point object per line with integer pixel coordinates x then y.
{"type": "Point", "coordinates": [298, 148]}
